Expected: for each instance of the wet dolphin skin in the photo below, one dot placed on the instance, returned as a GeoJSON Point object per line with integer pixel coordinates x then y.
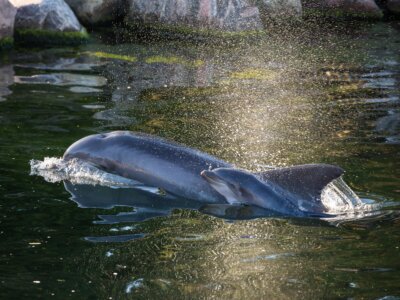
{"type": "Point", "coordinates": [192, 174]}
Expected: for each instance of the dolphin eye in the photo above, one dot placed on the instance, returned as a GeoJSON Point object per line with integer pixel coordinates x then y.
{"type": "Point", "coordinates": [245, 194]}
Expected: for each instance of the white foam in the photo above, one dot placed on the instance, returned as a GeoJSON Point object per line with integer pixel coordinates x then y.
{"type": "Point", "coordinates": [54, 169]}
{"type": "Point", "coordinates": [340, 200]}
{"type": "Point", "coordinates": [338, 197]}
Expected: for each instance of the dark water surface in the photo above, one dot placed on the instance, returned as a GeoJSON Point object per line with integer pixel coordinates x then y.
{"type": "Point", "coordinates": [329, 96]}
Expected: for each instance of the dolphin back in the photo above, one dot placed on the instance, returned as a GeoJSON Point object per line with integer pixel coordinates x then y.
{"type": "Point", "coordinates": [306, 182]}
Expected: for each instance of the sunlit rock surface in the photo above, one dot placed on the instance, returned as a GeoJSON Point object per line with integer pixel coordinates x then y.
{"type": "Point", "coordinates": [343, 8]}
{"type": "Point", "coordinates": [7, 16]}
{"type": "Point", "coordinates": [53, 15]}
{"type": "Point", "coordinates": [97, 11]}
{"type": "Point", "coordinates": [231, 15]}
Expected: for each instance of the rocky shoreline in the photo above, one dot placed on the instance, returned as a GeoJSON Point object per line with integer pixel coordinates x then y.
{"type": "Point", "coordinates": [59, 22]}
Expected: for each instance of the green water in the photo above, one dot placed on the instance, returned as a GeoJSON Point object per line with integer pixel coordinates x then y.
{"type": "Point", "coordinates": [315, 96]}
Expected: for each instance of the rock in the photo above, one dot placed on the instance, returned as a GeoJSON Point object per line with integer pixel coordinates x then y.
{"type": "Point", "coordinates": [228, 15]}
{"type": "Point", "coordinates": [279, 10]}
{"type": "Point", "coordinates": [7, 16]}
{"type": "Point", "coordinates": [47, 22]}
{"type": "Point", "coordinates": [393, 6]}
{"type": "Point", "coordinates": [366, 9]}
{"type": "Point", "coordinates": [53, 15]}
{"type": "Point", "coordinates": [97, 11]}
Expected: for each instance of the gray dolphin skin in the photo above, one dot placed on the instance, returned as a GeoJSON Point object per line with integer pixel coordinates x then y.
{"type": "Point", "coordinates": [152, 161]}
{"type": "Point", "coordinates": [290, 191]}
{"type": "Point", "coordinates": [192, 174]}
{"type": "Point", "coordinates": [243, 187]}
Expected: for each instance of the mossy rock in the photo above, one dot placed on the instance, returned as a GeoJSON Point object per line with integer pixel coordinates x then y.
{"type": "Point", "coordinates": [6, 43]}
{"type": "Point", "coordinates": [39, 37]}
{"type": "Point", "coordinates": [158, 31]}
{"type": "Point", "coordinates": [339, 14]}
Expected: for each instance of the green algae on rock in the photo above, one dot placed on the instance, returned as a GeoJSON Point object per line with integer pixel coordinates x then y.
{"type": "Point", "coordinates": [101, 54]}
{"type": "Point", "coordinates": [6, 43]}
{"type": "Point", "coordinates": [160, 32]}
{"type": "Point", "coordinates": [7, 20]}
{"type": "Point", "coordinates": [47, 23]}
{"type": "Point", "coordinates": [342, 9]}
{"type": "Point", "coordinates": [40, 37]}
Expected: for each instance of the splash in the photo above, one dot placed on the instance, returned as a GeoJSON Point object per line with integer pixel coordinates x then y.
{"type": "Point", "coordinates": [340, 200]}
{"type": "Point", "coordinates": [338, 197]}
{"type": "Point", "coordinates": [54, 169]}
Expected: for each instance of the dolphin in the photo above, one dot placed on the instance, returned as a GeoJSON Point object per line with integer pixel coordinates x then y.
{"type": "Point", "coordinates": [289, 191]}
{"type": "Point", "coordinates": [152, 161]}
{"type": "Point", "coordinates": [191, 174]}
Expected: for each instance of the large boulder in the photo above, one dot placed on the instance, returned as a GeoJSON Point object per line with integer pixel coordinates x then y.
{"type": "Point", "coordinates": [227, 15]}
{"type": "Point", "coordinates": [93, 12]}
{"type": "Point", "coordinates": [7, 16]}
{"type": "Point", "coordinates": [47, 21]}
{"type": "Point", "coordinates": [54, 15]}
{"type": "Point", "coordinates": [366, 9]}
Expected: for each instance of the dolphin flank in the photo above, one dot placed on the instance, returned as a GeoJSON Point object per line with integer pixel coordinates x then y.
{"type": "Point", "coordinates": [152, 161]}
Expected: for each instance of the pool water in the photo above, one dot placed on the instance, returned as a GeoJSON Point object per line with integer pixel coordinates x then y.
{"type": "Point", "coordinates": [311, 96]}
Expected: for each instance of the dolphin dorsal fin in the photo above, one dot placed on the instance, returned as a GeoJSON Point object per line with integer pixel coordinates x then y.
{"type": "Point", "coordinates": [306, 182]}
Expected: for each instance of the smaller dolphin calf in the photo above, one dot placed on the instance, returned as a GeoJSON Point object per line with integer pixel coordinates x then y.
{"type": "Point", "coordinates": [290, 191]}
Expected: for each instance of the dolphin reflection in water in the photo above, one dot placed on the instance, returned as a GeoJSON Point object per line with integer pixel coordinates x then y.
{"type": "Point", "coordinates": [149, 204]}
{"type": "Point", "coordinates": [186, 173]}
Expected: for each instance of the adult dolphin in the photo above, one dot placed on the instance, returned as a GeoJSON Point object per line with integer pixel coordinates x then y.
{"type": "Point", "coordinates": [192, 174]}
{"type": "Point", "coordinates": [152, 161]}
